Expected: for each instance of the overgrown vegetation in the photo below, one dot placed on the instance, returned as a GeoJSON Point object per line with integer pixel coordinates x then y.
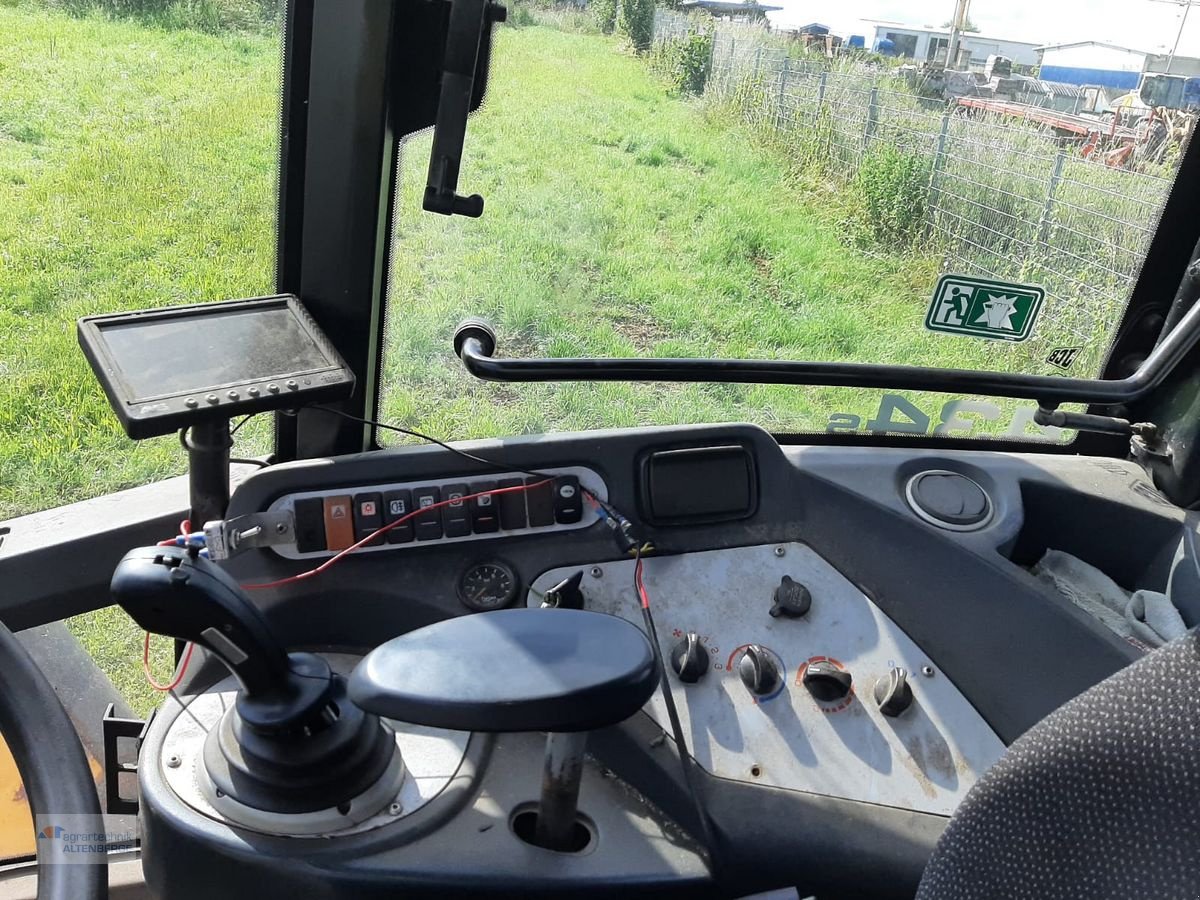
{"type": "Point", "coordinates": [684, 62]}
{"type": "Point", "coordinates": [891, 189]}
{"type": "Point", "coordinates": [976, 193]}
{"type": "Point", "coordinates": [637, 22]}
{"type": "Point", "coordinates": [137, 168]}
{"type": "Point", "coordinates": [605, 12]}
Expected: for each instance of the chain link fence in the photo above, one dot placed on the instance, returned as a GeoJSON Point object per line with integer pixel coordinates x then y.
{"type": "Point", "coordinates": [1002, 198]}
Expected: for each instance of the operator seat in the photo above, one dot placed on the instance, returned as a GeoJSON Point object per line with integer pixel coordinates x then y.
{"type": "Point", "coordinates": [1099, 800]}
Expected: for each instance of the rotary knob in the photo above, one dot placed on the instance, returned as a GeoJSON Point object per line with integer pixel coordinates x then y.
{"type": "Point", "coordinates": [827, 682]}
{"type": "Point", "coordinates": [759, 671]}
{"type": "Point", "coordinates": [690, 659]}
{"type": "Point", "coordinates": [892, 694]}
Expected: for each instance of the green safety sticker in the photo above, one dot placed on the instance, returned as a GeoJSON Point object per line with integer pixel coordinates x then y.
{"type": "Point", "coordinates": [978, 307]}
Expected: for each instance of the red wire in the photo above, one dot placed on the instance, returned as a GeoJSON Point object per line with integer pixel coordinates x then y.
{"type": "Point", "coordinates": [185, 528]}
{"type": "Point", "coordinates": [183, 664]}
{"type": "Point", "coordinates": [311, 573]}
{"type": "Point", "coordinates": [639, 584]}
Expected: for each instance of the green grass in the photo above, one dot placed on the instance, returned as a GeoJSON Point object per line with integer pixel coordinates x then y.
{"type": "Point", "coordinates": [623, 221]}
{"type": "Point", "coordinates": [137, 168]}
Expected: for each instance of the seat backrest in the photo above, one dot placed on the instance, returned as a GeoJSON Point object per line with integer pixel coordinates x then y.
{"type": "Point", "coordinates": [1101, 799]}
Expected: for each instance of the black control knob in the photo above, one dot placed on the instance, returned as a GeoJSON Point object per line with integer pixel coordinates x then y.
{"type": "Point", "coordinates": [759, 671]}
{"type": "Point", "coordinates": [792, 600]}
{"type": "Point", "coordinates": [827, 682]}
{"type": "Point", "coordinates": [690, 659]}
{"type": "Point", "coordinates": [892, 693]}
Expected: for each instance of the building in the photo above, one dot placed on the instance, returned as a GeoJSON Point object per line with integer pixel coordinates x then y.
{"type": "Point", "coordinates": [924, 44]}
{"type": "Point", "coordinates": [731, 9]}
{"type": "Point", "coordinates": [1117, 68]}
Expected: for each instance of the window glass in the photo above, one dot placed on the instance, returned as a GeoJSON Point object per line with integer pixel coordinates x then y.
{"type": "Point", "coordinates": [839, 182]}
{"type": "Point", "coordinates": [138, 168]}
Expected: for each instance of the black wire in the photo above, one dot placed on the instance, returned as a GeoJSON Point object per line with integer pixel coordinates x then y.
{"type": "Point", "coordinates": [261, 463]}
{"type": "Point", "coordinates": [238, 427]}
{"type": "Point", "coordinates": [686, 762]}
{"type": "Point", "coordinates": [499, 467]}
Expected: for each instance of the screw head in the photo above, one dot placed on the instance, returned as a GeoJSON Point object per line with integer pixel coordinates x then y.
{"type": "Point", "coordinates": [281, 528]}
{"type": "Point", "coordinates": [395, 809]}
{"type": "Point", "coordinates": [597, 572]}
{"type": "Point", "coordinates": [174, 762]}
{"type": "Point", "coordinates": [780, 552]}
{"type": "Point", "coordinates": [928, 671]}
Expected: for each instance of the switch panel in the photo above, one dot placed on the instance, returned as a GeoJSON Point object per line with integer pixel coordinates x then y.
{"type": "Point", "coordinates": [813, 703]}
{"type": "Point", "coordinates": [331, 520]}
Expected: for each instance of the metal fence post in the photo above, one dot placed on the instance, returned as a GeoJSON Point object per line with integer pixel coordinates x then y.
{"type": "Point", "coordinates": [783, 80]}
{"type": "Point", "coordinates": [757, 61]}
{"type": "Point", "coordinates": [939, 156]}
{"type": "Point", "coordinates": [1051, 192]}
{"type": "Point", "coordinates": [872, 117]}
{"type": "Point", "coordinates": [708, 66]}
{"type": "Point", "coordinates": [821, 90]}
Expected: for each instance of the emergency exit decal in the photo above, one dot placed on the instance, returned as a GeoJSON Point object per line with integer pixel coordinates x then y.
{"type": "Point", "coordinates": [976, 307]}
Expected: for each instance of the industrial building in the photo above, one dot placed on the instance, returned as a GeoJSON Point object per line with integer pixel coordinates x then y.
{"type": "Point", "coordinates": [1098, 64]}
{"type": "Point", "coordinates": [930, 44]}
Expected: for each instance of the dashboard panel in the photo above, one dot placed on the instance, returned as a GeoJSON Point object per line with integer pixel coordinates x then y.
{"type": "Point", "coordinates": [865, 794]}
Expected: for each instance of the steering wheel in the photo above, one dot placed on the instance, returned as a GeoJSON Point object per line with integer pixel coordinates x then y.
{"type": "Point", "coordinates": [54, 770]}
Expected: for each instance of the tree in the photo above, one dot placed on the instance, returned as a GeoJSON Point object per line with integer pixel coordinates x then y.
{"type": "Point", "coordinates": [969, 28]}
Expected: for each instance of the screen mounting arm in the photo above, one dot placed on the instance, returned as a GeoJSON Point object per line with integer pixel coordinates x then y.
{"type": "Point", "coordinates": [470, 25]}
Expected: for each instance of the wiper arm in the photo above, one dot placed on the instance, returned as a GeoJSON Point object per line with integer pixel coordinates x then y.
{"type": "Point", "coordinates": [475, 345]}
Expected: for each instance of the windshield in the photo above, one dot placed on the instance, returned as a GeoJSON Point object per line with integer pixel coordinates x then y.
{"type": "Point", "coordinates": [808, 182]}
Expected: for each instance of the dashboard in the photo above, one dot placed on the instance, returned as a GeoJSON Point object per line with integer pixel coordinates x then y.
{"type": "Point", "coordinates": [852, 637]}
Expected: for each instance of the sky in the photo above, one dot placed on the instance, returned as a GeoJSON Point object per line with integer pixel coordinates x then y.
{"type": "Point", "coordinates": [1141, 24]}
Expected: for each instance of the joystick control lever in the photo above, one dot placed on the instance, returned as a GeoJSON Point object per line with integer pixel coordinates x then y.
{"type": "Point", "coordinates": [293, 742]}
{"type": "Point", "coordinates": [172, 591]}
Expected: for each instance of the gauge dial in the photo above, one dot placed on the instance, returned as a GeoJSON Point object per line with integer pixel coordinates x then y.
{"type": "Point", "coordinates": [487, 586]}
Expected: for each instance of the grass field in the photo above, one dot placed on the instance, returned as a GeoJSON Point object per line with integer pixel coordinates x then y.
{"type": "Point", "coordinates": [138, 167]}
{"type": "Point", "coordinates": [625, 221]}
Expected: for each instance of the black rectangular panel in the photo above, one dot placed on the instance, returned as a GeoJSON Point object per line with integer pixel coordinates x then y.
{"type": "Point", "coordinates": [698, 485]}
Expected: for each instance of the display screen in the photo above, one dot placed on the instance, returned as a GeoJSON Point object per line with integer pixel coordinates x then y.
{"type": "Point", "coordinates": [195, 353]}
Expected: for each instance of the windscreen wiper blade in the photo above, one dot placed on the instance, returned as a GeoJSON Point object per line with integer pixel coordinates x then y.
{"type": "Point", "coordinates": [475, 344]}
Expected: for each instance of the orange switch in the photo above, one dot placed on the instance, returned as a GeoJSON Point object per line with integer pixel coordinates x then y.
{"type": "Point", "coordinates": [339, 523]}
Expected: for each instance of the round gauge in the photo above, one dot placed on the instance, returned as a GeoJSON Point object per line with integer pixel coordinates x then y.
{"type": "Point", "coordinates": [487, 586]}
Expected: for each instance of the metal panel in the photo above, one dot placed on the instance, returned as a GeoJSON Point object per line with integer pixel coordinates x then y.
{"type": "Point", "coordinates": [925, 760]}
